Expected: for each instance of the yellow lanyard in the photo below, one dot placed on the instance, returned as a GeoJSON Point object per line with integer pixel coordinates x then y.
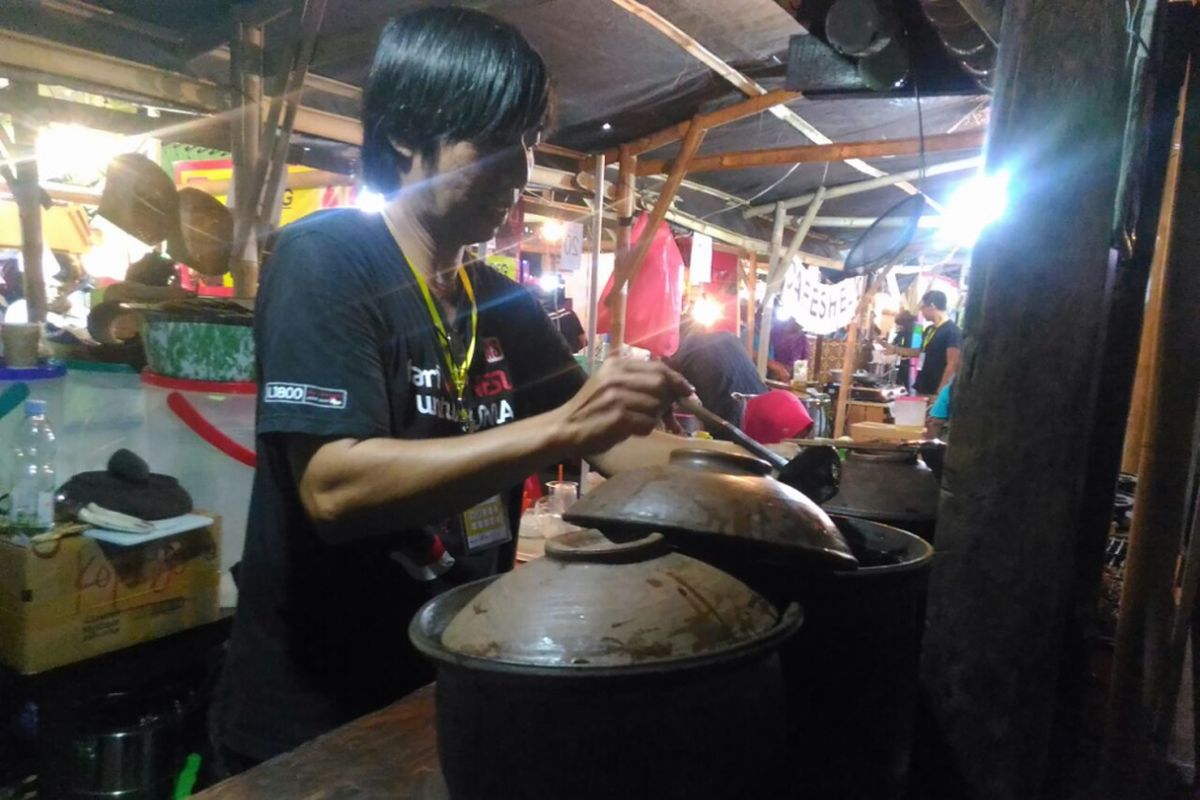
{"type": "Point", "coordinates": [458, 372]}
{"type": "Point", "coordinates": [929, 339]}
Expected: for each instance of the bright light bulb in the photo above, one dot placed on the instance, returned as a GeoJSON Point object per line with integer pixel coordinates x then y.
{"type": "Point", "coordinates": [549, 282]}
{"type": "Point", "coordinates": [977, 203]}
{"type": "Point", "coordinates": [706, 311]}
{"type": "Point", "coordinates": [369, 202]}
{"type": "Point", "coordinates": [606, 126]}
{"type": "Point", "coordinates": [552, 230]}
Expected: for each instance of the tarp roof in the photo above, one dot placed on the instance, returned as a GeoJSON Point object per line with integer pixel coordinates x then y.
{"type": "Point", "coordinates": [608, 66]}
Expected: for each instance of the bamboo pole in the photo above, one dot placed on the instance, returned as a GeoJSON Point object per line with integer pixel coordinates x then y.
{"type": "Point", "coordinates": [768, 308]}
{"type": "Point", "coordinates": [1141, 658]}
{"type": "Point", "coordinates": [861, 313]}
{"type": "Point", "coordinates": [245, 66]}
{"type": "Point", "coordinates": [1135, 430]}
{"type": "Point", "coordinates": [627, 269]}
{"type": "Point", "coordinates": [816, 153]}
{"type": "Point", "coordinates": [751, 291]}
{"type": "Point", "coordinates": [626, 197]}
{"type": "Point", "coordinates": [28, 196]}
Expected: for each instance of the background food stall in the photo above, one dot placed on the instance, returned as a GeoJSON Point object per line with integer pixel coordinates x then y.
{"type": "Point", "coordinates": [685, 117]}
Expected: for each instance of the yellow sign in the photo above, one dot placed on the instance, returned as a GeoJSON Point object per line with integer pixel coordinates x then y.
{"type": "Point", "coordinates": [297, 203]}
{"type": "Point", "coordinates": [505, 265]}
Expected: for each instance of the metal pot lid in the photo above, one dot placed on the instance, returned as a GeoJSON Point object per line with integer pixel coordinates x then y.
{"type": "Point", "coordinates": [889, 488]}
{"type": "Point", "coordinates": [716, 494]}
{"type": "Point", "coordinates": [595, 603]}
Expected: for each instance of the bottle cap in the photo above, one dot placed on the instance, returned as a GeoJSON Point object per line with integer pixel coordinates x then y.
{"type": "Point", "coordinates": [35, 408]}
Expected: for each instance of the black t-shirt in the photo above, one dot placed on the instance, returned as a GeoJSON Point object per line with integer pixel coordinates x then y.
{"type": "Point", "coordinates": [716, 363]}
{"type": "Point", "coordinates": [346, 348]}
{"type": "Point", "coordinates": [936, 342]}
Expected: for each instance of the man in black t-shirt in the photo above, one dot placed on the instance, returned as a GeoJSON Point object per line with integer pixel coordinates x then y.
{"type": "Point", "coordinates": [941, 346]}
{"type": "Point", "coordinates": [404, 397]}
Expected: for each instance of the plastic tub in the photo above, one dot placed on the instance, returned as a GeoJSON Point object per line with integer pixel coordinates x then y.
{"type": "Point", "coordinates": [202, 433]}
{"type": "Point", "coordinates": [104, 410]}
{"type": "Point", "coordinates": [16, 386]}
{"type": "Point", "coordinates": [909, 411]}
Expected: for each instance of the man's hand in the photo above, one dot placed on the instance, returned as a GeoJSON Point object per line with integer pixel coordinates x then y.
{"type": "Point", "coordinates": [624, 398]}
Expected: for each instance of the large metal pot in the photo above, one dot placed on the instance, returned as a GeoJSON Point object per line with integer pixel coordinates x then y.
{"type": "Point", "coordinates": [607, 670]}
{"type": "Point", "coordinates": [892, 488]}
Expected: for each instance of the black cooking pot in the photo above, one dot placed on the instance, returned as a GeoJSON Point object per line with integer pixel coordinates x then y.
{"type": "Point", "coordinates": [851, 672]}
{"type": "Point", "coordinates": [608, 671]}
{"type": "Point", "coordinates": [893, 488]}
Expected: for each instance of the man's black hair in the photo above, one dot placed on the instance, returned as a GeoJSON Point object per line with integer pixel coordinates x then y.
{"type": "Point", "coordinates": [935, 298]}
{"type": "Point", "coordinates": [448, 75]}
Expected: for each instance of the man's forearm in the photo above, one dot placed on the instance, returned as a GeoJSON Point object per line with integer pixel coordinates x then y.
{"type": "Point", "coordinates": [355, 489]}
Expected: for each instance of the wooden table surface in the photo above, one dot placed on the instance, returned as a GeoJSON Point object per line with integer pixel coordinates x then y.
{"type": "Point", "coordinates": [391, 753]}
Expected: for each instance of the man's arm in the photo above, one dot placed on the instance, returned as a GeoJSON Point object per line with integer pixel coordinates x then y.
{"type": "Point", "coordinates": [353, 489]}
{"type": "Point", "coordinates": [905, 352]}
{"type": "Point", "coordinates": [953, 356]}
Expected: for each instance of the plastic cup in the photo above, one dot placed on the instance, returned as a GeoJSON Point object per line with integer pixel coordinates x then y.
{"type": "Point", "coordinates": [562, 495]}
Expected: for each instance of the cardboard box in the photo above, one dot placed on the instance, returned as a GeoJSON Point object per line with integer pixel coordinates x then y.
{"type": "Point", "coordinates": [71, 597]}
{"type": "Point", "coordinates": [883, 432]}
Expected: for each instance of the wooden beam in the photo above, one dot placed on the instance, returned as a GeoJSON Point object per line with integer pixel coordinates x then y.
{"type": "Point", "coordinates": [565, 152]}
{"type": "Point", "coordinates": [814, 153]}
{"type": "Point", "coordinates": [723, 116]}
{"type": "Point", "coordinates": [1010, 529]}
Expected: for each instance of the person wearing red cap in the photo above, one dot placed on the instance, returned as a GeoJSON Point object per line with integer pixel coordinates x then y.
{"type": "Point", "coordinates": [775, 416]}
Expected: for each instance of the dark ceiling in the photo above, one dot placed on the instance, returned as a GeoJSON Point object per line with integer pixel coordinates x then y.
{"type": "Point", "coordinates": [608, 66]}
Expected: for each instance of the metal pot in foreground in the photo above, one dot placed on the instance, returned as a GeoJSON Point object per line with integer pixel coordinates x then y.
{"type": "Point", "coordinates": [607, 670]}
{"type": "Point", "coordinates": [851, 672]}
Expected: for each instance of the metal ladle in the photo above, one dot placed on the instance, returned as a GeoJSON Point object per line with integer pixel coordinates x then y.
{"type": "Point", "coordinates": [816, 471]}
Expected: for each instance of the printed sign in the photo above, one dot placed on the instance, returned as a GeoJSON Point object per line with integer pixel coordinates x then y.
{"type": "Point", "coordinates": [572, 247]}
{"type": "Point", "coordinates": [701, 261]}
{"type": "Point", "coordinates": [820, 308]}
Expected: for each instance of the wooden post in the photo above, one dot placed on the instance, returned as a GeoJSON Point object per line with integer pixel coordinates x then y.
{"type": "Point", "coordinates": [1002, 588]}
{"type": "Point", "coordinates": [627, 269]}
{"type": "Point", "coordinates": [1141, 659]}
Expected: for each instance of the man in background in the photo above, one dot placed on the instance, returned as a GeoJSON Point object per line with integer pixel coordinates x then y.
{"type": "Point", "coordinates": [941, 346]}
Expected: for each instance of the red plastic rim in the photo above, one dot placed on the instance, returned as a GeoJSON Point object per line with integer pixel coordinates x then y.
{"type": "Point", "coordinates": [151, 378]}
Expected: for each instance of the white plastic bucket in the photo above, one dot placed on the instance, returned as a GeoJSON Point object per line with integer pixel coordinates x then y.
{"type": "Point", "coordinates": [202, 433]}
{"type": "Point", "coordinates": [104, 410]}
{"type": "Point", "coordinates": [18, 384]}
{"type": "Point", "coordinates": [909, 411]}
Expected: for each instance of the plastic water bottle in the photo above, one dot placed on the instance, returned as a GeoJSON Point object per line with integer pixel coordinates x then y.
{"type": "Point", "coordinates": [32, 500]}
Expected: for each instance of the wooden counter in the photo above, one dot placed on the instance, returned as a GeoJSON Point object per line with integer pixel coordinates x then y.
{"type": "Point", "coordinates": [391, 753]}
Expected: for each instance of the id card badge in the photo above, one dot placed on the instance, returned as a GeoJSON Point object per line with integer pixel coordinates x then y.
{"type": "Point", "coordinates": [486, 525]}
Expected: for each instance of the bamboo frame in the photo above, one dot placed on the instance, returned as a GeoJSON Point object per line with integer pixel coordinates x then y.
{"type": "Point", "coordinates": [839, 151]}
